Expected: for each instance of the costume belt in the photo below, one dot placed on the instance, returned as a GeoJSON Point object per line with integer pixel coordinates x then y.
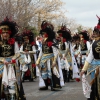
{"type": "Point", "coordinates": [45, 57]}
{"type": "Point", "coordinates": [2, 65]}
{"type": "Point", "coordinates": [93, 65]}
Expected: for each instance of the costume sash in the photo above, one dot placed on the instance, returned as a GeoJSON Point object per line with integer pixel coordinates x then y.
{"type": "Point", "coordinates": [45, 57]}
{"type": "Point", "coordinates": [93, 65]}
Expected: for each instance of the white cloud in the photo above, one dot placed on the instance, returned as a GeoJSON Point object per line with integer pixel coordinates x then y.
{"type": "Point", "coordinates": [83, 11]}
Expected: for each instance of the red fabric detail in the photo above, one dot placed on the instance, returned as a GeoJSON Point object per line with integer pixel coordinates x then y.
{"type": "Point", "coordinates": [28, 73]}
{"type": "Point", "coordinates": [11, 41]}
{"type": "Point", "coordinates": [46, 35]}
{"type": "Point", "coordinates": [0, 31]}
{"type": "Point", "coordinates": [32, 43]}
{"type": "Point", "coordinates": [78, 79]}
{"type": "Point", "coordinates": [50, 44]}
{"type": "Point", "coordinates": [44, 26]}
{"type": "Point", "coordinates": [13, 61]}
{"type": "Point", "coordinates": [60, 34]}
{"type": "Point", "coordinates": [64, 40]}
{"type": "Point", "coordinates": [9, 32]}
{"type": "Point", "coordinates": [33, 65]}
{"type": "Point", "coordinates": [82, 36]}
{"type": "Point", "coordinates": [98, 26]}
{"type": "Point", "coordinates": [85, 41]}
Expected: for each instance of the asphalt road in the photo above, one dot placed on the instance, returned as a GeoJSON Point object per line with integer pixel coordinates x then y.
{"type": "Point", "coordinates": [71, 91]}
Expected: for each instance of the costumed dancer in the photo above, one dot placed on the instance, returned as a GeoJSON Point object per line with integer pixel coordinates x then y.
{"type": "Point", "coordinates": [76, 48]}
{"type": "Point", "coordinates": [68, 62]}
{"type": "Point", "coordinates": [84, 45]}
{"type": "Point", "coordinates": [10, 78]}
{"type": "Point", "coordinates": [47, 59]}
{"type": "Point", "coordinates": [64, 35]}
{"type": "Point", "coordinates": [92, 65]}
{"type": "Point", "coordinates": [28, 56]}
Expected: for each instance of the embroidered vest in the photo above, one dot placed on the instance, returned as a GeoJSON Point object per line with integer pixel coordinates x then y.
{"type": "Point", "coordinates": [27, 47]}
{"type": "Point", "coordinates": [46, 49]}
{"type": "Point", "coordinates": [6, 49]}
{"type": "Point", "coordinates": [83, 48]}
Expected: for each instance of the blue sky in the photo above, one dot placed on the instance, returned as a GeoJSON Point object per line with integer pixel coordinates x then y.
{"type": "Point", "coordinates": [83, 11]}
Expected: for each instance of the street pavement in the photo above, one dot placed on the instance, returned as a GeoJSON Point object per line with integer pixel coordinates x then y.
{"type": "Point", "coordinates": [71, 91]}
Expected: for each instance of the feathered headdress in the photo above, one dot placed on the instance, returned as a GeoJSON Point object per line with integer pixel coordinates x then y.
{"type": "Point", "coordinates": [76, 37]}
{"type": "Point", "coordinates": [85, 35]}
{"type": "Point", "coordinates": [63, 28]}
{"type": "Point", "coordinates": [29, 34]}
{"type": "Point", "coordinates": [97, 28]}
{"type": "Point", "coordinates": [47, 28]}
{"type": "Point", "coordinates": [98, 25]}
{"type": "Point", "coordinates": [65, 32]}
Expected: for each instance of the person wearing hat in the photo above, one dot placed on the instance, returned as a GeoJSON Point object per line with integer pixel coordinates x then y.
{"type": "Point", "coordinates": [92, 64]}
{"type": "Point", "coordinates": [68, 61]}
{"type": "Point", "coordinates": [29, 50]}
{"type": "Point", "coordinates": [10, 80]}
{"type": "Point", "coordinates": [76, 48]}
{"type": "Point", "coordinates": [84, 45]}
{"type": "Point", "coordinates": [47, 59]}
{"type": "Point", "coordinates": [64, 35]}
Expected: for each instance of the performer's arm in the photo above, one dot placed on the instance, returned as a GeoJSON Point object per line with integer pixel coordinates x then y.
{"type": "Point", "coordinates": [16, 49]}
{"type": "Point", "coordinates": [39, 57]}
{"type": "Point", "coordinates": [2, 59]}
{"type": "Point", "coordinates": [33, 50]}
{"type": "Point", "coordinates": [89, 59]}
{"type": "Point", "coordinates": [67, 49]}
{"type": "Point", "coordinates": [56, 52]}
{"type": "Point", "coordinates": [60, 54]}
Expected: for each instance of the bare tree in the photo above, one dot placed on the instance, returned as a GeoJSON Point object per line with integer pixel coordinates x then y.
{"type": "Point", "coordinates": [33, 12]}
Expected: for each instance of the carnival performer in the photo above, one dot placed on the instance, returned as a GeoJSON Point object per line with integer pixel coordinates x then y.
{"type": "Point", "coordinates": [28, 54]}
{"type": "Point", "coordinates": [10, 78]}
{"type": "Point", "coordinates": [92, 64]}
{"type": "Point", "coordinates": [76, 48]}
{"type": "Point", "coordinates": [84, 45]}
{"type": "Point", "coordinates": [64, 35]}
{"type": "Point", "coordinates": [68, 61]}
{"type": "Point", "coordinates": [47, 60]}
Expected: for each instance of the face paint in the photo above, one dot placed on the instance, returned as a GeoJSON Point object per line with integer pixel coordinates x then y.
{"type": "Point", "coordinates": [5, 29]}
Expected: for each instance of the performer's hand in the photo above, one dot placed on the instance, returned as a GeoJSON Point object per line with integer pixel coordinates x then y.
{"type": "Point", "coordinates": [64, 58]}
{"type": "Point", "coordinates": [6, 62]}
{"type": "Point", "coordinates": [54, 64]}
{"type": "Point", "coordinates": [82, 72]}
{"type": "Point", "coordinates": [37, 64]}
{"type": "Point", "coordinates": [76, 56]}
{"type": "Point", "coordinates": [27, 52]}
